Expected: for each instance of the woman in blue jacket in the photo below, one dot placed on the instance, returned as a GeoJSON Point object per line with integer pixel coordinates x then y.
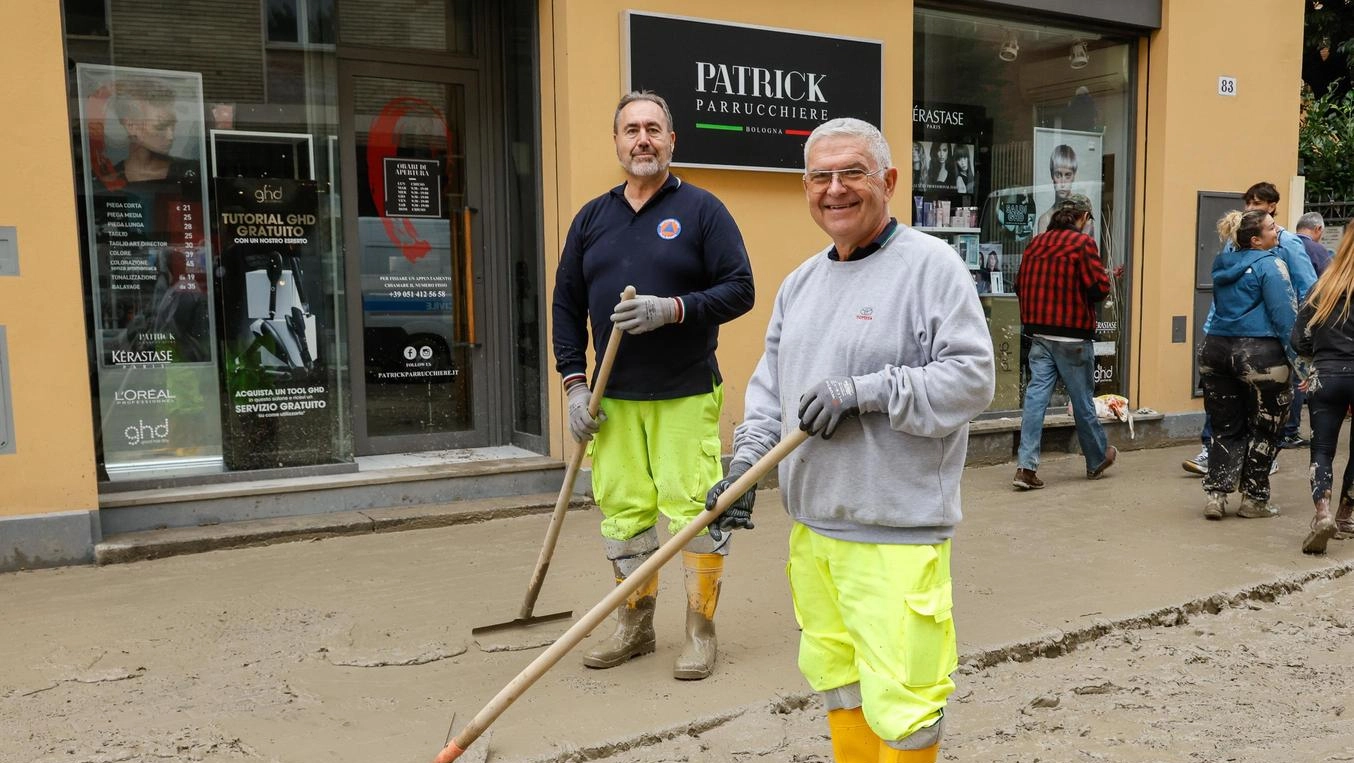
{"type": "Point", "coordinates": [1244, 364]}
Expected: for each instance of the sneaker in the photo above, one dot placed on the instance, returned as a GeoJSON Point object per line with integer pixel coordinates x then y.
{"type": "Point", "coordinates": [1198, 464]}
{"type": "Point", "coordinates": [1026, 479]}
{"type": "Point", "coordinates": [1293, 441]}
{"type": "Point", "coordinates": [1110, 455]}
{"type": "Point", "coordinates": [1252, 508]}
{"type": "Point", "coordinates": [1216, 507]}
{"type": "Point", "coordinates": [1274, 465]}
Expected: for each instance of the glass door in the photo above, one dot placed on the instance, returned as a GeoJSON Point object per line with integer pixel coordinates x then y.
{"type": "Point", "coordinates": [413, 173]}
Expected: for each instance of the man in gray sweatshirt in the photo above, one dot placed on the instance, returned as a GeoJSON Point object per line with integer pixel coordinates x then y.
{"type": "Point", "coordinates": [878, 344]}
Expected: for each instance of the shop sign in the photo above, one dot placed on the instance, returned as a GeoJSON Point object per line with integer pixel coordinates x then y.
{"type": "Point", "coordinates": [413, 187]}
{"type": "Point", "coordinates": [746, 97]}
{"type": "Point", "coordinates": [279, 385]}
{"type": "Point", "coordinates": [144, 153]}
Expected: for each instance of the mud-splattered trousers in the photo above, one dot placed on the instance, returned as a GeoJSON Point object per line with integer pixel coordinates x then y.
{"type": "Point", "coordinates": [1329, 401]}
{"type": "Point", "coordinates": [1246, 394]}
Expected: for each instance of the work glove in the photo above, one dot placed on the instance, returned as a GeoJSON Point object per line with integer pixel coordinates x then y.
{"type": "Point", "coordinates": [645, 313]}
{"type": "Point", "coordinates": [739, 513]}
{"type": "Point", "coordinates": [581, 424]}
{"type": "Point", "coordinates": [830, 402]}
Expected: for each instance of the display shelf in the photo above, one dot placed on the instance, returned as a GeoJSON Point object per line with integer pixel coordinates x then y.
{"type": "Point", "coordinates": [931, 229]}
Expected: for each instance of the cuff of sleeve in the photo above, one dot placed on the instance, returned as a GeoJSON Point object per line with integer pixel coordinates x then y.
{"type": "Point", "coordinates": [739, 464]}
{"type": "Point", "coordinates": [681, 309]}
{"type": "Point", "coordinates": [872, 392]}
{"type": "Point", "coordinates": [575, 378]}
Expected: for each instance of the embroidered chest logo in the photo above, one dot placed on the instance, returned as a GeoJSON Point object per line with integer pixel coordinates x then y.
{"type": "Point", "coordinates": [669, 229]}
{"type": "Point", "coordinates": [866, 314]}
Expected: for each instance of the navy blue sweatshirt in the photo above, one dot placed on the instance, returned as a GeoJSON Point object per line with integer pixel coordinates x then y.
{"type": "Point", "coordinates": [683, 243]}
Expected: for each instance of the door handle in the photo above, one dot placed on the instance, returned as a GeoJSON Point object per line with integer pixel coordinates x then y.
{"type": "Point", "coordinates": [468, 249]}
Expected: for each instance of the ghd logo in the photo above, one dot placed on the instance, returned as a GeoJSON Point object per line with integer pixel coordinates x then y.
{"type": "Point", "coordinates": [142, 433]}
{"type": "Point", "coordinates": [268, 194]}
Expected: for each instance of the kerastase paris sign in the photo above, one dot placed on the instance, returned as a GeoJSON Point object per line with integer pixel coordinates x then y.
{"type": "Point", "coordinates": [746, 97]}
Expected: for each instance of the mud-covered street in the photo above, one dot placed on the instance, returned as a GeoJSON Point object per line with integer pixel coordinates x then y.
{"type": "Point", "coordinates": [1098, 620]}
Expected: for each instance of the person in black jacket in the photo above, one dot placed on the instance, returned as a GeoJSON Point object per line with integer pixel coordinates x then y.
{"type": "Point", "coordinates": [1323, 338]}
{"type": "Point", "coordinates": [656, 447]}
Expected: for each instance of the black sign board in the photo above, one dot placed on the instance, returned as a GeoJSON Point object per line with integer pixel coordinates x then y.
{"type": "Point", "coordinates": [279, 382]}
{"type": "Point", "coordinates": [413, 187]}
{"type": "Point", "coordinates": [745, 97]}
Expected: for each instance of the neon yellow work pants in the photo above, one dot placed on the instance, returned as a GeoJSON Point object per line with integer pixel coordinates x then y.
{"type": "Point", "coordinates": [655, 456]}
{"type": "Point", "coordinates": [876, 615]}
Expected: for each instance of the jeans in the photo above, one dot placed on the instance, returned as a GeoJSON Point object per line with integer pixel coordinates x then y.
{"type": "Point", "coordinates": [1246, 393]}
{"type": "Point", "coordinates": [1329, 402]}
{"type": "Point", "coordinates": [1074, 362]}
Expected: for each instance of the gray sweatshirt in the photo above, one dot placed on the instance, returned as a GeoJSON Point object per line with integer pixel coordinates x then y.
{"type": "Point", "coordinates": [905, 323]}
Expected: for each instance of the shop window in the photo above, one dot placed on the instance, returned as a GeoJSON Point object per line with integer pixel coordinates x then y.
{"type": "Point", "coordinates": [1008, 117]}
{"type": "Point", "coordinates": [205, 186]}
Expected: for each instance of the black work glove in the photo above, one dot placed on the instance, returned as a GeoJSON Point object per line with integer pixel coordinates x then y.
{"type": "Point", "coordinates": [739, 513]}
{"type": "Point", "coordinates": [827, 405]}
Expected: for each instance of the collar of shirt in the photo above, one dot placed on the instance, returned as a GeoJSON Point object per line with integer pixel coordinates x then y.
{"type": "Point", "coordinates": [671, 184]}
{"type": "Point", "coordinates": [861, 252]}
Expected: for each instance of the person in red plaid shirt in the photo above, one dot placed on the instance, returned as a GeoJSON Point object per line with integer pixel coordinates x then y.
{"type": "Point", "coordinates": [1059, 283]}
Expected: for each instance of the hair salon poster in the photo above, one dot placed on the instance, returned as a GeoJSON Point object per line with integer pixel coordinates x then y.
{"type": "Point", "coordinates": [146, 210]}
{"type": "Point", "coordinates": [950, 154]}
{"type": "Point", "coordinates": [279, 386]}
{"type": "Point", "coordinates": [1068, 162]}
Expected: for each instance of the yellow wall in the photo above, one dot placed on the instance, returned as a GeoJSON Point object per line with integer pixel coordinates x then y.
{"type": "Point", "coordinates": [53, 468]}
{"type": "Point", "coordinates": [581, 82]}
{"type": "Point", "coordinates": [1197, 140]}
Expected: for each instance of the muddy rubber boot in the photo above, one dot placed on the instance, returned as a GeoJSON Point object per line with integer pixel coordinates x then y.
{"type": "Point", "coordinates": [1216, 506]}
{"type": "Point", "coordinates": [852, 739]}
{"type": "Point", "coordinates": [1323, 529]}
{"type": "Point", "coordinates": [702, 573]}
{"type": "Point", "coordinates": [634, 635]}
{"type": "Point", "coordinates": [1344, 520]}
{"type": "Point", "coordinates": [1254, 508]}
{"type": "Point", "coordinates": [925, 755]}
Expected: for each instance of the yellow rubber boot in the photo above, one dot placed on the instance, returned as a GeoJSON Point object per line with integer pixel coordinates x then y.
{"type": "Point", "coordinates": [702, 574]}
{"type": "Point", "coordinates": [634, 634]}
{"type": "Point", "coordinates": [926, 755]}
{"type": "Point", "coordinates": [852, 739]}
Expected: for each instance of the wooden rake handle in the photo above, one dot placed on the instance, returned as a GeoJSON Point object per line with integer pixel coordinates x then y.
{"type": "Point", "coordinates": [571, 472]}
{"type": "Point", "coordinates": [547, 659]}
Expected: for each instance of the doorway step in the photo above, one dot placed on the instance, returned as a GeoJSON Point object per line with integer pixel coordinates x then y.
{"type": "Point", "coordinates": [384, 493]}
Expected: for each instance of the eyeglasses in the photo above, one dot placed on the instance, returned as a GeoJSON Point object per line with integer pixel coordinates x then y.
{"type": "Point", "coordinates": [821, 180]}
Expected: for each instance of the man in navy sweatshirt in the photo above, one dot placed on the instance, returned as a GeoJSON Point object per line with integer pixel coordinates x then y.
{"type": "Point", "coordinates": [655, 443]}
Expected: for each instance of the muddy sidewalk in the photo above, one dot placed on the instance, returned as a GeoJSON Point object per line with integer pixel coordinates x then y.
{"type": "Point", "coordinates": [358, 649]}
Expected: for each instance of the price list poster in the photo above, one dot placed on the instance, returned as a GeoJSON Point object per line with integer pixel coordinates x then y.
{"type": "Point", "coordinates": [146, 211]}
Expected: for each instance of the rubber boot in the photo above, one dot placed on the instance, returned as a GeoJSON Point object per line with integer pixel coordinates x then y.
{"type": "Point", "coordinates": [852, 739]}
{"type": "Point", "coordinates": [1323, 529]}
{"type": "Point", "coordinates": [925, 755]}
{"type": "Point", "coordinates": [702, 573]}
{"type": "Point", "coordinates": [1344, 520]}
{"type": "Point", "coordinates": [634, 633]}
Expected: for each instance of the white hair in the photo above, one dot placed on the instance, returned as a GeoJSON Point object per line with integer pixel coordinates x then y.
{"type": "Point", "coordinates": [848, 127]}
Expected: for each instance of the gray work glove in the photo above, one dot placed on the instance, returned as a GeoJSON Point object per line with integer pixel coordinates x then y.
{"type": "Point", "coordinates": [830, 402]}
{"type": "Point", "coordinates": [644, 313]}
{"type": "Point", "coordinates": [739, 513]}
{"type": "Point", "coordinates": [582, 425]}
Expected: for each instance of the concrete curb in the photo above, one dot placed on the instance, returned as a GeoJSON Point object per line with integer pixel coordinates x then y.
{"type": "Point", "coordinates": [172, 541]}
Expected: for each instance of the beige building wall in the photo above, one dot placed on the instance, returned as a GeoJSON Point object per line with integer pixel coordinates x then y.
{"type": "Point", "coordinates": [581, 82]}
{"type": "Point", "coordinates": [42, 309]}
{"type": "Point", "coordinates": [1196, 140]}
